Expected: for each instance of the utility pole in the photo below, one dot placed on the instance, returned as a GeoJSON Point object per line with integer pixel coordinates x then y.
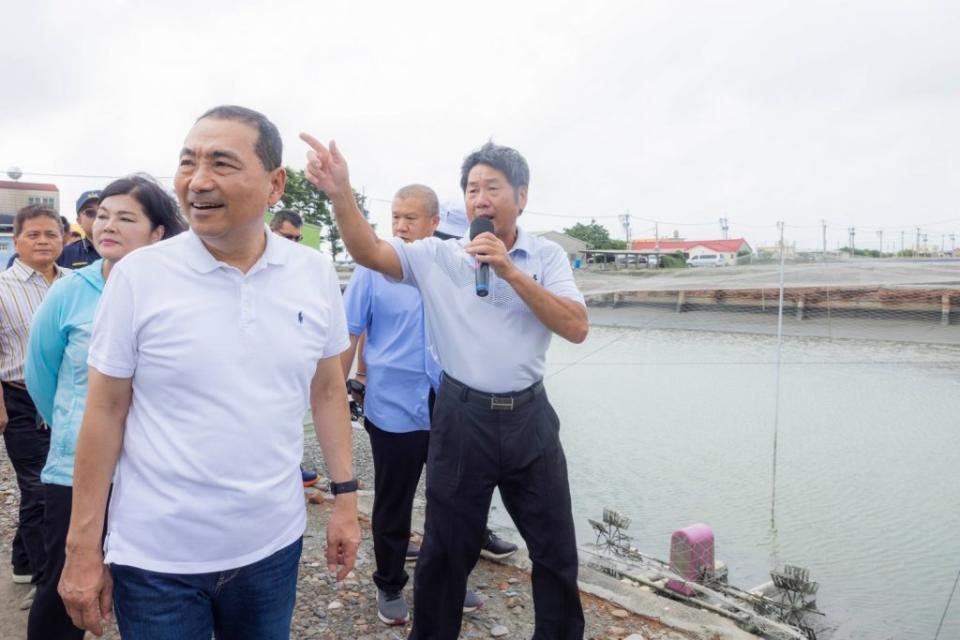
{"type": "Point", "coordinates": [953, 242]}
{"type": "Point", "coordinates": [625, 221]}
{"type": "Point", "coordinates": [880, 235]}
{"type": "Point", "coordinates": [823, 223]}
{"type": "Point", "coordinates": [724, 227]}
{"type": "Point", "coordinates": [656, 235]}
{"type": "Point", "coordinates": [903, 235]}
{"type": "Point", "coordinates": [916, 247]}
{"type": "Point", "coordinates": [853, 232]}
{"type": "Point", "coordinates": [943, 244]}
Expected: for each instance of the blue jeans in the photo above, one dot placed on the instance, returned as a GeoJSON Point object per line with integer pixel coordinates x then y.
{"type": "Point", "coordinates": [255, 601]}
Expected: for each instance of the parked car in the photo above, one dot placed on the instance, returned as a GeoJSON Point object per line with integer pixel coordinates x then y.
{"type": "Point", "coordinates": [6, 239]}
{"type": "Point", "coordinates": [344, 260]}
{"type": "Point", "coordinates": [706, 260]}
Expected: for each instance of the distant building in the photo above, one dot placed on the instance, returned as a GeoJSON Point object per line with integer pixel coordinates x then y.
{"type": "Point", "coordinates": [726, 248]}
{"type": "Point", "coordinates": [16, 195]}
{"type": "Point", "coordinates": [789, 251]}
{"type": "Point", "coordinates": [573, 246]}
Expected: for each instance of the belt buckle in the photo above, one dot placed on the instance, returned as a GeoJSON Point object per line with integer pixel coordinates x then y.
{"type": "Point", "coordinates": [501, 404]}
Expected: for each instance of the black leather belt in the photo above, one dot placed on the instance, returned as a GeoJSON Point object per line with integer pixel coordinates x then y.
{"type": "Point", "coordinates": [494, 402]}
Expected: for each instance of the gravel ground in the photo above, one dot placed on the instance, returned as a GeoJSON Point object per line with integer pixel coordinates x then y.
{"type": "Point", "coordinates": [327, 610]}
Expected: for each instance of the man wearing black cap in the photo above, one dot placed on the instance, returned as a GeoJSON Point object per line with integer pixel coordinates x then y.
{"type": "Point", "coordinates": [80, 254]}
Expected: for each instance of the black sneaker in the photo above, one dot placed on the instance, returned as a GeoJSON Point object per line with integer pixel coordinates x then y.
{"type": "Point", "coordinates": [495, 548]}
{"type": "Point", "coordinates": [22, 576]}
{"type": "Point", "coordinates": [413, 552]}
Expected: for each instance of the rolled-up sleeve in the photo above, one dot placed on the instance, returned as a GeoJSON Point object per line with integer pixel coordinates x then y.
{"type": "Point", "coordinates": [356, 301]}
{"type": "Point", "coordinates": [557, 274]}
{"type": "Point", "coordinates": [415, 257]}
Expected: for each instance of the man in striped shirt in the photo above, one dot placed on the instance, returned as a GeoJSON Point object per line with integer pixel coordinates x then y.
{"type": "Point", "coordinates": [38, 238]}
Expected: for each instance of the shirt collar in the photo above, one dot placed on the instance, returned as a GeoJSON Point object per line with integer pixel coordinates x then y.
{"type": "Point", "coordinates": [24, 272]}
{"type": "Point", "coordinates": [524, 242]}
{"type": "Point", "coordinates": [202, 261]}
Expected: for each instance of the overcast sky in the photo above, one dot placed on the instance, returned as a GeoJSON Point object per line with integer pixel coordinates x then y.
{"type": "Point", "coordinates": [680, 112]}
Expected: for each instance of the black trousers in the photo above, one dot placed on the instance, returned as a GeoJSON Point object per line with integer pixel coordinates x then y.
{"type": "Point", "coordinates": [475, 448]}
{"type": "Point", "coordinates": [48, 617]}
{"type": "Point", "coordinates": [28, 441]}
{"type": "Point", "coordinates": [398, 460]}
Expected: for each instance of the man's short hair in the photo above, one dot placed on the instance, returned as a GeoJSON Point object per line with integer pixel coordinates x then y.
{"type": "Point", "coordinates": [285, 215]}
{"type": "Point", "coordinates": [504, 159]}
{"type": "Point", "coordinates": [269, 146]}
{"type": "Point", "coordinates": [32, 211]}
{"type": "Point", "coordinates": [66, 225]}
{"type": "Point", "coordinates": [424, 194]}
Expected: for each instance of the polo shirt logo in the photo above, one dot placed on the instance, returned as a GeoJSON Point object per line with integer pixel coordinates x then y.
{"type": "Point", "coordinates": [300, 317]}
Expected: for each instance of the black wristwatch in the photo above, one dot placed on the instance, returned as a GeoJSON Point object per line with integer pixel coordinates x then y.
{"type": "Point", "coordinates": [336, 488]}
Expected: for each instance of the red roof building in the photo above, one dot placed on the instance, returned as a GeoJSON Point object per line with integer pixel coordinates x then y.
{"type": "Point", "coordinates": [728, 249]}
{"type": "Point", "coordinates": [27, 186]}
{"type": "Point", "coordinates": [686, 246]}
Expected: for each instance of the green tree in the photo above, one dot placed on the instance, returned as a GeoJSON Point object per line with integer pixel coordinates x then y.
{"type": "Point", "coordinates": [313, 204]}
{"type": "Point", "coordinates": [594, 234]}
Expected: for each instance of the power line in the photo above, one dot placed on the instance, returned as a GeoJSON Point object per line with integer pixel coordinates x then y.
{"type": "Point", "coordinates": [550, 214]}
{"type": "Point", "coordinates": [82, 175]}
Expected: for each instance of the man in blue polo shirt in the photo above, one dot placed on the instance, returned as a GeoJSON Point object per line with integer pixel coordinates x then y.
{"type": "Point", "coordinates": [493, 426]}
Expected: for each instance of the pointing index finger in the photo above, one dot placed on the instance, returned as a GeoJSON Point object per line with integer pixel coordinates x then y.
{"type": "Point", "coordinates": [313, 142]}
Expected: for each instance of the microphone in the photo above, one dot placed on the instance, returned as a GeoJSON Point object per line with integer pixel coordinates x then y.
{"type": "Point", "coordinates": [480, 225]}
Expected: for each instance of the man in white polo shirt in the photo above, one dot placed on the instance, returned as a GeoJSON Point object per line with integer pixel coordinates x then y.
{"type": "Point", "coordinates": [206, 349]}
{"type": "Point", "coordinates": [492, 424]}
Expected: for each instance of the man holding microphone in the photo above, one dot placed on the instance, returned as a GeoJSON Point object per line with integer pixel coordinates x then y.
{"type": "Point", "coordinates": [492, 424]}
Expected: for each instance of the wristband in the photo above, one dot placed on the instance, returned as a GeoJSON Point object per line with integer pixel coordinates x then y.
{"type": "Point", "coordinates": [336, 488]}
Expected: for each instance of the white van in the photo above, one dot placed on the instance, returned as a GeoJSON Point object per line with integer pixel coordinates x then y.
{"type": "Point", "coordinates": [706, 260]}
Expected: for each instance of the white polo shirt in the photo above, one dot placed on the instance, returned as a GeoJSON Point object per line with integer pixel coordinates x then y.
{"type": "Point", "coordinates": [208, 477]}
{"type": "Point", "coordinates": [493, 344]}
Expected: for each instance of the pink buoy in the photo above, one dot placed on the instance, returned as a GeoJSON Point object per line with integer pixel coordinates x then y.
{"type": "Point", "coordinates": [691, 555]}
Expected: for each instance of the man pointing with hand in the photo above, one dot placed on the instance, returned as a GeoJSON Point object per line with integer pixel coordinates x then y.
{"type": "Point", "coordinates": [492, 424]}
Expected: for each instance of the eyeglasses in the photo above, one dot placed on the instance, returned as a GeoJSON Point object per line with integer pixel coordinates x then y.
{"type": "Point", "coordinates": [90, 212]}
{"type": "Point", "coordinates": [292, 237]}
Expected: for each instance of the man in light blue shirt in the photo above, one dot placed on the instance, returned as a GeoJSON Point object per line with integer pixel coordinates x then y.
{"type": "Point", "coordinates": [400, 373]}
{"type": "Point", "coordinates": [493, 426]}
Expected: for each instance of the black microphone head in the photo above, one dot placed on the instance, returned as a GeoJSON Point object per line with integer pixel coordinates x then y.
{"type": "Point", "coordinates": [480, 225]}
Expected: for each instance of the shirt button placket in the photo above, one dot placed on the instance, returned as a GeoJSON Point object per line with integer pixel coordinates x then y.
{"type": "Point", "coordinates": [246, 306]}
